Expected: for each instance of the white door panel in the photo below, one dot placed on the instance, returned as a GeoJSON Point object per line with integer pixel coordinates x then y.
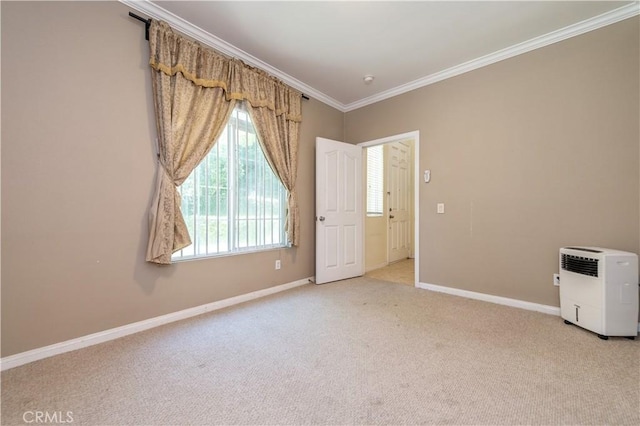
{"type": "Point", "coordinates": [399, 155]}
{"type": "Point", "coordinates": [339, 211]}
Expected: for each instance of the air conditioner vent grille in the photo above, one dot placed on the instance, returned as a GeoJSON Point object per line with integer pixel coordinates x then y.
{"type": "Point", "coordinates": [590, 250]}
{"type": "Point", "coordinates": [580, 265]}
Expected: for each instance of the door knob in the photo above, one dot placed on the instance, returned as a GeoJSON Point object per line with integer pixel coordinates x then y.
{"type": "Point", "coordinates": [391, 216]}
{"type": "Point", "coordinates": [321, 218]}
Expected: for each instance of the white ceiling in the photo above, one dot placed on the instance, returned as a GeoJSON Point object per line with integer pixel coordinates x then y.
{"type": "Point", "coordinates": [326, 48]}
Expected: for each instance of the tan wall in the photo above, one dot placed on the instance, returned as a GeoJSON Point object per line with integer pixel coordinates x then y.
{"type": "Point", "coordinates": [545, 147]}
{"type": "Point", "coordinates": [529, 154]}
{"type": "Point", "coordinates": [77, 177]}
{"type": "Point", "coordinates": [375, 237]}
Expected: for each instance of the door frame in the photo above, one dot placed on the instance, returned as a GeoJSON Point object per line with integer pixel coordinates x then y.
{"type": "Point", "coordinates": [415, 136]}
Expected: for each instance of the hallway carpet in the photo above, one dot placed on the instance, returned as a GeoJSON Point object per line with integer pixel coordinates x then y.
{"type": "Point", "coordinates": [401, 272]}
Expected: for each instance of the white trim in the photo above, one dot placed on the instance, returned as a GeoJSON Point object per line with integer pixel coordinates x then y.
{"type": "Point", "coordinates": [155, 11]}
{"type": "Point", "coordinates": [415, 137]}
{"type": "Point", "coordinates": [577, 29]}
{"type": "Point", "coordinates": [545, 309]}
{"type": "Point", "coordinates": [125, 330]}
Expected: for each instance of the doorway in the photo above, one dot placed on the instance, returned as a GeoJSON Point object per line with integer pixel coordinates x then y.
{"type": "Point", "coordinates": [391, 229]}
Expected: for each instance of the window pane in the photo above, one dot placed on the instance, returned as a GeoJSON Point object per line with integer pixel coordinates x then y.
{"type": "Point", "coordinates": [375, 184]}
{"type": "Point", "coordinates": [232, 201]}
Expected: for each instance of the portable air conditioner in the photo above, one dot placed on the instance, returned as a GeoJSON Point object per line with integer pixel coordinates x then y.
{"type": "Point", "coordinates": [599, 290]}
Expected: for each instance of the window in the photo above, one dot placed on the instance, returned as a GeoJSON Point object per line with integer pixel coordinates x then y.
{"type": "Point", "coordinates": [232, 201]}
{"type": "Point", "coordinates": [375, 175]}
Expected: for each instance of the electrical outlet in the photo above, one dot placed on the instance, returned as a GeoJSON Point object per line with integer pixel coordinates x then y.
{"type": "Point", "coordinates": [556, 280]}
{"type": "Point", "coordinates": [278, 264]}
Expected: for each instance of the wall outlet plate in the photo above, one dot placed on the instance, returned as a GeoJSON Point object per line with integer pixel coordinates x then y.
{"type": "Point", "coordinates": [556, 280]}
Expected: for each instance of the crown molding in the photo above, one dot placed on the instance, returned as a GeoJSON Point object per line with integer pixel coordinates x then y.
{"type": "Point", "coordinates": [574, 30]}
{"type": "Point", "coordinates": [156, 12]}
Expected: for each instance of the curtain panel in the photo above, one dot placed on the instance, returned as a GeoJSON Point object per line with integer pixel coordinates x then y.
{"type": "Point", "coordinates": [195, 90]}
{"type": "Point", "coordinates": [275, 134]}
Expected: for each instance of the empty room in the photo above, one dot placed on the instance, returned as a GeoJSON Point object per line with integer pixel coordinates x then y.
{"type": "Point", "coordinates": [331, 213]}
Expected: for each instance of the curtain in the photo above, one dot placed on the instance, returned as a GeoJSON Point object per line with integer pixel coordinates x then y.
{"type": "Point", "coordinates": [195, 90]}
{"type": "Point", "coordinates": [278, 135]}
{"type": "Point", "coordinates": [189, 118]}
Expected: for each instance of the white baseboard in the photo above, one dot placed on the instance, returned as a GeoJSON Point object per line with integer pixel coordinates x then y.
{"type": "Point", "coordinates": [545, 309]}
{"type": "Point", "coordinates": [125, 330]}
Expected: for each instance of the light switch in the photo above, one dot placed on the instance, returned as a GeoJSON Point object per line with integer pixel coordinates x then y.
{"type": "Point", "coordinates": [441, 208]}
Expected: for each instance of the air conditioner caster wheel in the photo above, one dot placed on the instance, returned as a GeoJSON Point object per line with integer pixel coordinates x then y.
{"type": "Point", "coordinates": [603, 337]}
{"type": "Point", "coordinates": [568, 322]}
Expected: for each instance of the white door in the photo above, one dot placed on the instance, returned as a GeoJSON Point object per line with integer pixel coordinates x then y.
{"type": "Point", "coordinates": [399, 184]}
{"type": "Point", "coordinates": [339, 211]}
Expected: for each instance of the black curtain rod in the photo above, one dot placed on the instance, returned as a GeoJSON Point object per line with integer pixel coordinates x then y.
{"type": "Point", "coordinates": [147, 24]}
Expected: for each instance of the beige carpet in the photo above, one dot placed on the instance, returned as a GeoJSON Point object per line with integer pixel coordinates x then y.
{"type": "Point", "coordinates": [360, 351]}
{"type": "Point", "coordinates": [401, 272]}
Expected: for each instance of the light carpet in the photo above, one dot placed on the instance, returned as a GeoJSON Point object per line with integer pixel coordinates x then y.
{"type": "Point", "coordinates": [401, 272]}
{"type": "Point", "coordinates": [360, 351]}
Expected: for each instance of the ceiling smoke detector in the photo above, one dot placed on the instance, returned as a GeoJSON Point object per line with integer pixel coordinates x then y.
{"type": "Point", "coordinates": [368, 79]}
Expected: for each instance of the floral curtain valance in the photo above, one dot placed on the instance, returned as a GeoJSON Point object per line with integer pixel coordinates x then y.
{"type": "Point", "coordinates": [172, 53]}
